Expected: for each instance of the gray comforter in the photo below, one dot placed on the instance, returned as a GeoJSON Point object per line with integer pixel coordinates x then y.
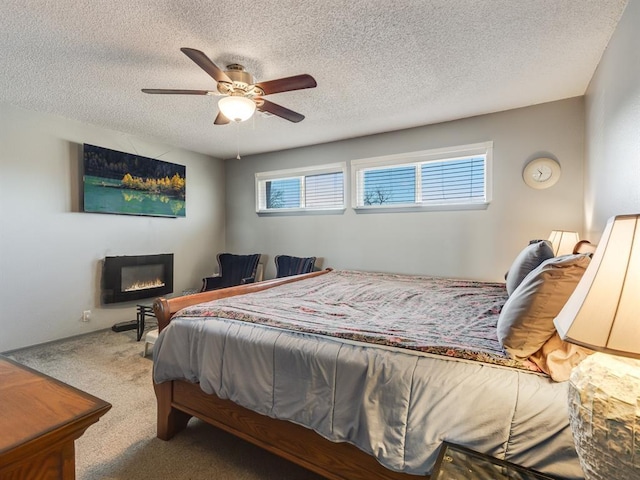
{"type": "Point", "coordinates": [397, 404]}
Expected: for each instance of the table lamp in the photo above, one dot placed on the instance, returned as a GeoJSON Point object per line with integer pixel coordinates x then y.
{"type": "Point", "coordinates": [603, 314]}
{"type": "Point", "coordinates": [563, 241]}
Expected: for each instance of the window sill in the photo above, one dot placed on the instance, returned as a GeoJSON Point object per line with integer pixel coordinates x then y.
{"type": "Point", "coordinates": [421, 208]}
{"type": "Point", "coordinates": [290, 212]}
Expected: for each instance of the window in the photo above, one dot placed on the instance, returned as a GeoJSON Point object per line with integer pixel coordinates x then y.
{"type": "Point", "coordinates": [455, 178]}
{"type": "Point", "coordinates": [314, 188]}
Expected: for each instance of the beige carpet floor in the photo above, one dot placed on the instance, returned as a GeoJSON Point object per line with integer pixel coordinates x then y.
{"type": "Point", "coordinates": [123, 445]}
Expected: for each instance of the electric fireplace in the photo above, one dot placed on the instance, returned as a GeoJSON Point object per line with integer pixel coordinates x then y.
{"type": "Point", "coordinates": [135, 277]}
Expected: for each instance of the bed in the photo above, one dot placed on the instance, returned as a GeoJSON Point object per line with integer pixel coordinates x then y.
{"type": "Point", "coordinates": [331, 388]}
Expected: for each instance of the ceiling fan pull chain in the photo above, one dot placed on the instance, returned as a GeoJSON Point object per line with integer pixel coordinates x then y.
{"type": "Point", "coordinates": [238, 140]}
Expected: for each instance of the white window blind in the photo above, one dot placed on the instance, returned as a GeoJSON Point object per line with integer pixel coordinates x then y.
{"type": "Point", "coordinates": [446, 178]}
{"type": "Point", "coordinates": [459, 180]}
{"type": "Point", "coordinates": [313, 188]}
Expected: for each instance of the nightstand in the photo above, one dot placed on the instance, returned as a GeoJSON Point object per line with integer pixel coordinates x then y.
{"type": "Point", "coordinates": [460, 463]}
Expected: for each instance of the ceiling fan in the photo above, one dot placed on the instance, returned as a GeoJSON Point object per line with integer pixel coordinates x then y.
{"type": "Point", "coordinates": [242, 95]}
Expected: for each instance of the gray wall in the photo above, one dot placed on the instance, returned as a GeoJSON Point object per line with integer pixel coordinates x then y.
{"type": "Point", "coordinates": [612, 161]}
{"type": "Point", "coordinates": [50, 253]}
{"type": "Point", "coordinates": [478, 244]}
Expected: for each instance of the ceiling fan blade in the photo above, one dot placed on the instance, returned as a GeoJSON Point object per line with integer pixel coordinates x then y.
{"type": "Point", "coordinates": [221, 119]}
{"type": "Point", "coordinates": [206, 64]}
{"type": "Point", "coordinates": [279, 110]}
{"type": "Point", "coordinates": [176, 92]}
{"type": "Point", "coordinates": [297, 82]}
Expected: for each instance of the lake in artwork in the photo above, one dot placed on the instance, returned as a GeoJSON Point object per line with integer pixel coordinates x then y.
{"type": "Point", "coordinates": [122, 183]}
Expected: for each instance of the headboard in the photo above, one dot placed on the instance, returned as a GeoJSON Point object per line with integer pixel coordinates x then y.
{"type": "Point", "coordinates": [584, 246]}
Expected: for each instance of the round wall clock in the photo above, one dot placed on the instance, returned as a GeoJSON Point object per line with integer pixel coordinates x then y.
{"type": "Point", "coordinates": [541, 173]}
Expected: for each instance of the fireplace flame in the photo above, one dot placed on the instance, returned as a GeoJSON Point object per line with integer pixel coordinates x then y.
{"type": "Point", "coordinates": [144, 285]}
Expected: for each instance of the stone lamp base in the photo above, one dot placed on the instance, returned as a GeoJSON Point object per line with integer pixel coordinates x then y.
{"type": "Point", "coordinates": [604, 409]}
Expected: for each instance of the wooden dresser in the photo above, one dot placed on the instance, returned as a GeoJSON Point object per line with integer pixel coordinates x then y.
{"type": "Point", "coordinates": [40, 418]}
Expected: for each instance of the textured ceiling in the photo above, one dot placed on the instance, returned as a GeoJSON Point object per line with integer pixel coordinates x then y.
{"type": "Point", "coordinates": [379, 65]}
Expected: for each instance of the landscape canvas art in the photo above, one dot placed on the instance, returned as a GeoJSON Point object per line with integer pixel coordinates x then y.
{"type": "Point", "coordinates": [127, 184]}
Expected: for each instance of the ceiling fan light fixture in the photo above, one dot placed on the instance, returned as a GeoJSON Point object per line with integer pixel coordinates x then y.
{"type": "Point", "coordinates": [237, 108]}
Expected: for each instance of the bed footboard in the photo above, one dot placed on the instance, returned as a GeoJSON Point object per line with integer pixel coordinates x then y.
{"type": "Point", "coordinates": [170, 420]}
{"type": "Point", "coordinates": [181, 400]}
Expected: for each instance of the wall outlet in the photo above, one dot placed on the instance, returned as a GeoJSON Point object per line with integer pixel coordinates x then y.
{"type": "Point", "coordinates": [86, 315]}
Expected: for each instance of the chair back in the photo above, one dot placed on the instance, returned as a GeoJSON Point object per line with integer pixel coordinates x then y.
{"type": "Point", "coordinates": [287, 265]}
{"type": "Point", "coordinates": [234, 269]}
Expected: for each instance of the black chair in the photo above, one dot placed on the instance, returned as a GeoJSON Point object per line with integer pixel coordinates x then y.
{"type": "Point", "coordinates": [234, 270]}
{"type": "Point", "coordinates": [287, 266]}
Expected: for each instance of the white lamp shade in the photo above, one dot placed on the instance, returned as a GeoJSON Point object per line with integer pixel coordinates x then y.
{"type": "Point", "coordinates": [563, 242]}
{"type": "Point", "coordinates": [603, 313]}
{"type": "Point", "coordinates": [237, 108]}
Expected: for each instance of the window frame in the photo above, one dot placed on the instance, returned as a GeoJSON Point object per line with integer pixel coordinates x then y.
{"type": "Point", "coordinates": [301, 173]}
{"type": "Point", "coordinates": [358, 167]}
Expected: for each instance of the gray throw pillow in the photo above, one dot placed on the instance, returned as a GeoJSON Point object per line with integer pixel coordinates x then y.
{"type": "Point", "coordinates": [529, 258]}
{"type": "Point", "coordinates": [526, 320]}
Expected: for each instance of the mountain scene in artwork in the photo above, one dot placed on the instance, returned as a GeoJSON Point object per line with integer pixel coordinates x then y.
{"type": "Point", "coordinates": [123, 183]}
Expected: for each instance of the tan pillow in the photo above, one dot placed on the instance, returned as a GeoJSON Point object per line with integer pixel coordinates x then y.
{"type": "Point", "coordinates": [557, 357]}
{"type": "Point", "coordinates": [526, 320]}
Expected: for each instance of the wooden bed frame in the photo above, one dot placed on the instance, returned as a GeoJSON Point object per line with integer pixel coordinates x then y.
{"type": "Point", "coordinates": [179, 400]}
